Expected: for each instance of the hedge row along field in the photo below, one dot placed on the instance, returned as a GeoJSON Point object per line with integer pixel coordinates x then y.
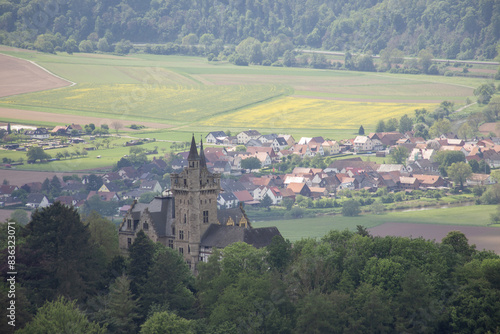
{"type": "Point", "coordinates": [293, 112]}
{"type": "Point", "coordinates": [171, 103]}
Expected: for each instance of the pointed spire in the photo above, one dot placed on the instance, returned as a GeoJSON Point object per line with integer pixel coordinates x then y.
{"type": "Point", "coordinates": [193, 152]}
{"type": "Point", "coordinates": [203, 162]}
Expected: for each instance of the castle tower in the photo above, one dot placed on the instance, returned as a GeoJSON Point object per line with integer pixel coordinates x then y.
{"type": "Point", "coordinates": [195, 191]}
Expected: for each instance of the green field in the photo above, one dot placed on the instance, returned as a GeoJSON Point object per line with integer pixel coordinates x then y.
{"type": "Point", "coordinates": [194, 94]}
{"type": "Point", "coordinates": [295, 229]}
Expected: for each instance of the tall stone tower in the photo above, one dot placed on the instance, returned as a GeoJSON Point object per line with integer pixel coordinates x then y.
{"type": "Point", "coordinates": [195, 191]}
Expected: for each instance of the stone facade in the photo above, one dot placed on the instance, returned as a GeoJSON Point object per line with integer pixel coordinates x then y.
{"type": "Point", "coordinates": [195, 190]}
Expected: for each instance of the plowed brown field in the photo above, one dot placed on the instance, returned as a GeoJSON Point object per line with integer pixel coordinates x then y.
{"type": "Point", "coordinates": [483, 237]}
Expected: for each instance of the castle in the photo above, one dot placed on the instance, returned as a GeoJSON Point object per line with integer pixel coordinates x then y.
{"type": "Point", "coordinates": [187, 218]}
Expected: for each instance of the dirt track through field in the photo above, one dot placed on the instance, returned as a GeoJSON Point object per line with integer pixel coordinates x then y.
{"type": "Point", "coordinates": [483, 237]}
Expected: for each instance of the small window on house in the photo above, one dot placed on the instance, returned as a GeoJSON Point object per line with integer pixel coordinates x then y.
{"type": "Point", "coordinates": [145, 226]}
{"type": "Point", "coordinates": [181, 235]}
{"type": "Point", "coordinates": [129, 223]}
{"type": "Point", "coordinates": [181, 250]}
{"type": "Point", "coordinates": [205, 216]}
{"type": "Point", "coordinates": [171, 243]}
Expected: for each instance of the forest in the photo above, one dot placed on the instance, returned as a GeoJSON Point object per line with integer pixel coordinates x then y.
{"type": "Point", "coordinates": [71, 278]}
{"type": "Point", "coordinates": [463, 29]}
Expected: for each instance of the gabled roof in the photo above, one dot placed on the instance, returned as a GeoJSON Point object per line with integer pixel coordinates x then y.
{"type": "Point", "coordinates": [220, 236]}
{"type": "Point", "coordinates": [251, 133]}
{"type": "Point", "coordinates": [281, 141]}
{"type": "Point", "coordinates": [6, 189]}
{"type": "Point", "coordinates": [235, 214]}
{"type": "Point", "coordinates": [160, 209]}
{"type": "Point", "coordinates": [216, 134]}
{"type": "Point", "coordinates": [35, 198]}
{"type": "Point", "coordinates": [297, 187]}
{"type": "Point", "coordinates": [228, 196]}
{"type": "Point", "coordinates": [243, 196]}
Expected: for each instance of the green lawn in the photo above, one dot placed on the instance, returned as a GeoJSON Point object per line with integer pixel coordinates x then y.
{"type": "Point", "coordinates": [296, 229]}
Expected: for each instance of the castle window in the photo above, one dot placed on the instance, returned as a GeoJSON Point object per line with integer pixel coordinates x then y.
{"type": "Point", "coordinates": [145, 226]}
{"type": "Point", "coordinates": [181, 235]}
{"type": "Point", "coordinates": [205, 216]}
{"type": "Point", "coordinates": [129, 223]}
{"type": "Point", "coordinates": [185, 182]}
{"type": "Point", "coordinates": [181, 250]}
{"type": "Point", "coordinates": [129, 242]}
{"type": "Point", "coordinates": [173, 231]}
{"type": "Point", "coordinates": [185, 218]}
{"type": "Point", "coordinates": [171, 243]}
{"type": "Point", "coordinates": [189, 249]}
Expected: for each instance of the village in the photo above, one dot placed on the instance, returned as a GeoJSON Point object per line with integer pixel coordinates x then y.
{"type": "Point", "coordinates": [258, 170]}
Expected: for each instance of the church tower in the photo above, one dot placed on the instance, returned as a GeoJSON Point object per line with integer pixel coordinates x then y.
{"type": "Point", "coordinates": [195, 191]}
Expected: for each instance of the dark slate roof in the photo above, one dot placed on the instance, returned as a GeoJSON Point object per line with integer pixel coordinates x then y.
{"type": "Point", "coordinates": [35, 198]}
{"type": "Point", "coordinates": [231, 185]}
{"type": "Point", "coordinates": [228, 196]}
{"type": "Point", "coordinates": [159, 210]}
{"type": "Point", "coordinates": [217, 134]}
{"type": "Point", "coordinates": [193, 151]}
{"type": "Point", "coordinates": [235, 214]}
{"type": "Point", "coordinates": [252, 133]}
{"type": "Point", "coordinates": [281, 141]}
{"type": "Point", "coordinates": [220, 236]}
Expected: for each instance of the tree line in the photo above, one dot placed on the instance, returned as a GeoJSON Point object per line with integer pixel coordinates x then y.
{"type": "Point", "coordinates": [71, 275]}
{"type": "Point", "coordinates": [450, 29]}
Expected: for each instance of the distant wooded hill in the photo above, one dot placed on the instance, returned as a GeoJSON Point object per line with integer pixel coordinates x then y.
{"type": "Point", "coordinates": [454, 29]}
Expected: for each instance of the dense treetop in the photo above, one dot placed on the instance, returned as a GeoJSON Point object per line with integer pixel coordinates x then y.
{"type": "Point", "coordinates": [462, 29]}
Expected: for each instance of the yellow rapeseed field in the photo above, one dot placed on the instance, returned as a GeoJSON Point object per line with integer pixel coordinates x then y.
{"type": "Point", "coordinates": [294, 113]}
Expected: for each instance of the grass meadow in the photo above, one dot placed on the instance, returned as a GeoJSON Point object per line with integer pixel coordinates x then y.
{"type": "Point", "coordinates": [295, 229]}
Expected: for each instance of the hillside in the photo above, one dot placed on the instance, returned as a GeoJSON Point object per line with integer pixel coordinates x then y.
{"type": "Point", "coordinates": [462, 29]}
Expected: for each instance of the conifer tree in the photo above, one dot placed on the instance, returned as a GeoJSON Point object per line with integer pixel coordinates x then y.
{"type": "Point", "coordinates": [361, 131]}
{"type": "Point", "coordinates": [57, 257]}
{"type": "Point", "coordinates": [122, 307]}
{"type": "Point", "coordinates": [141, 258]}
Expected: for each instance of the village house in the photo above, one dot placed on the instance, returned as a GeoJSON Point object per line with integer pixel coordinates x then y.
{"type": "Point", "coordinates": [39, 133]}
{"type": "Point", "coordinates": [331, 147]}
{"type": "Point", "coordinates": [227, 200]}
{"type": "Point", "coordinates": [362, 144]}
{"type": "Point", "coordinates": [299, 189]}
{"type": "Point", "coordinates": [289, 139]}
{"type": "Point", "coordinates": [245, 136]}
{"type": "Point", "coordinates": [36, 201]}
{"type": "Point", "coordinates": [6, 190]}
{"type": "Point", "coordinates": [430, 181]}
{"type": "Point", "coordinates": [267, 138]}
{"type": "Point", "coordinates": [480, 179]}
{"type": "Point", "coordinates": [409, 183]}
{"type": "Point", "coordinates": [215, 136]}
{"type": "Point", "coordinates": [279, 144]}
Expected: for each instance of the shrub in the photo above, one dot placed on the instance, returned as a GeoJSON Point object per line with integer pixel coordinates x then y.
{"type": "Point", "coordinates": [350, 208]}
